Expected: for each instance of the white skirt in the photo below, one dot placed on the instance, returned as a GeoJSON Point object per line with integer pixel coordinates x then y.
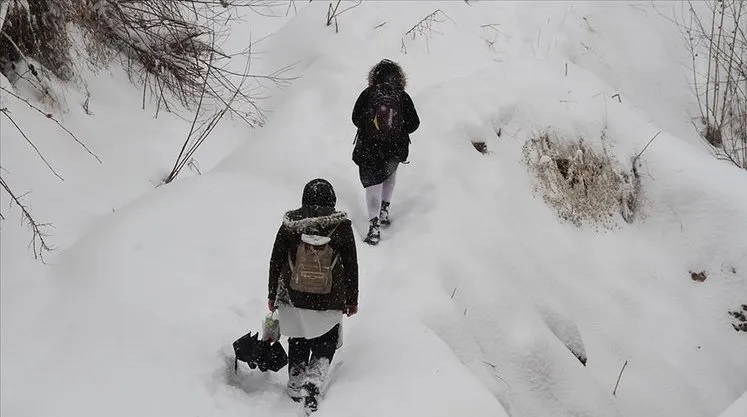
{"type": "Point", "coordinates": [301, 322]}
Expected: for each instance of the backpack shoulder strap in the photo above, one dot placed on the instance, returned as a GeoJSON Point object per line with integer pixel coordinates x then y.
{"type": "Point", "coordinates": [333, 230]}
{"type": "Point", "coordinates": [337, 255]}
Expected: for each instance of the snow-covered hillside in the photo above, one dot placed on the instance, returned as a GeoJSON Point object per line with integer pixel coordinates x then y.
{"type": "Point", "coordinates": [478, 293]}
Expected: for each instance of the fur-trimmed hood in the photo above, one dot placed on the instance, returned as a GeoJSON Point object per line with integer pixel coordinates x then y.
{"type": "Point", "coordinates": [386, 70]}
{"type": "Point", "coordinates": [296, 223]}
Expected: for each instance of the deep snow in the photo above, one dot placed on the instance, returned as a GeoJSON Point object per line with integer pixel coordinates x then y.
{"type": "Point", "coordinates": [468, 303]}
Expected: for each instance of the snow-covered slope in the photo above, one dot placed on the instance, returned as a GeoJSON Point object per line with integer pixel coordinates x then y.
{"type": "Point", "coordinates": [475, 292]}
{"type": "Point", "coordinates": [739, 408]}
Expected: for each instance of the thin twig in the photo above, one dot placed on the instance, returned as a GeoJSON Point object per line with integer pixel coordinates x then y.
{"type": "Point", "coordinates": [349, 8]}
{"type": "Point", "coordinates": [495, 374]}
{"type": "Point", "coordinates": [38, 243]}
{"type": "Point", "coordinates": [36, 149]}
{"type": "Point", "coordinates": [199, 134]}
{"type": "Point", "coordinates": [424, 27]}
{"type": "Point", "coordinates": [333, 14]}
{"type": "Point", "coordinates": [644, 148]}
{"type": "Point", "coordinates": [174, 171]}
{"type": "Point", "coordinates": [424, 23]}
{"type": "Point", "coordinates": [50, 117]}
{"type": "Point", "coordinates": [614, 392]}
{"type": "Point", "coordinates": [291, 3]}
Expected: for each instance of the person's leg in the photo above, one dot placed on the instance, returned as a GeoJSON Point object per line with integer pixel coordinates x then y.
{"type": "Point", "coordinates": [322, 351]}
{"type": "Point", "coordinates": [387, 189]}
{"type": "Point", "coordinates": [373, 200]}
{"type": "Point", "coordinates": [299, 350]}
{"type": "Point", "coordinates": [324, 346]}
{"type": "Point", "coordinates": [373, 205]}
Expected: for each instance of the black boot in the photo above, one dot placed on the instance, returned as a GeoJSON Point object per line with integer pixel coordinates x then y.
{"type": "Point", "coordinates": [374, 232]}
{"type": "Point", "coordinates": [311, 403]}
{"type": "Point", "coordinates": [296, 376]}
{"type": "Point", "coordinates": [384, 214]}
{"type": "Point", "coordinates": [316, 375]}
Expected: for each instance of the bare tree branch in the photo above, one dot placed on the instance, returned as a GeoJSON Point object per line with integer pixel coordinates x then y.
{"type": "Point", "coordinates": [646, 147]}
{"type": "Point", "coordinates": [50, 117]}
{"type": "Point", "coordinates": [424, 27]}
{"type": "Point", "coordinates": [38, 241]}
{"type": "Point", "coordinates": [333, 14]}
{"type": "Point", "coordinates": [614, 391]}
{"type": "Point", "coordinates": [6, 112]}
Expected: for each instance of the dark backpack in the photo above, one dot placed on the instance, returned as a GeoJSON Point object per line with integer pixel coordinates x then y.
{"type": "Point", "coordinates": [386, 110]}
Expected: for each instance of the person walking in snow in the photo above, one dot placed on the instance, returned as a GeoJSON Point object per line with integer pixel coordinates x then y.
{"type": "Point", "coordinates": [313, 281]}
{"type": "Point", "coordinates": [385, 117]}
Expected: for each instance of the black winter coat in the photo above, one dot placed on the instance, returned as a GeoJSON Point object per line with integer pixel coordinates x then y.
{"type": "Point", "coordinates": [369, 152]}
{"type": "Point", "coordinates": [320, 221]}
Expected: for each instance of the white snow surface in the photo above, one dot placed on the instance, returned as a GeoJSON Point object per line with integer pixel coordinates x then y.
{"type": "Point", "coordinates": [738, 409]}
{"type": "Point", "coordinates": [477, 294]}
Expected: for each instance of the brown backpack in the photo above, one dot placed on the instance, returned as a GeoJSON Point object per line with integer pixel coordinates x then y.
{"type": "Point", "coordinates": [315, 260]}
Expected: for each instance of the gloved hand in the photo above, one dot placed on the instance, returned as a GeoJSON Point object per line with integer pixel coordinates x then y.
{"type": "Point", "coordinates": [351, 310]}
{"type": "Point", "coordinates": [271, 305]}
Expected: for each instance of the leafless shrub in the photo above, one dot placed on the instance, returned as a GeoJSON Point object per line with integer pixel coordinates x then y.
{"type": "Point", "coordinates": [581, 185]}
{"type": "Point", "coordinates": [198, 133]}
{"type": "Point", "coordinates": [424, 28]}
{"type": "Point", "coordinates": [36, 29]}
{"type": "Point", "coordinates": [171, 48]}
{"type": "Point", "coordinates": [34, 45]}
{"type": "Point", "coordinates": [167, 46]}
{"type": "Point", "coordinates": [716, 34]}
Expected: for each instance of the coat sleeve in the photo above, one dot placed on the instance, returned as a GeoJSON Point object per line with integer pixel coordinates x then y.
{"type": "Point", "coordinates": [412, 121]}
{"type": "Point", "coordinates": [360, 118]}
{"type": "Point", "coordinates": [278, 257]}
{"type": "Point", "coordinates": [349, 257]}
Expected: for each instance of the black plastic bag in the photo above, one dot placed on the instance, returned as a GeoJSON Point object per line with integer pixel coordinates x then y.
{"type": "Point", "coordinates": [248, 348]}
{"type": "Point", "coordinates": [274, 357]}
